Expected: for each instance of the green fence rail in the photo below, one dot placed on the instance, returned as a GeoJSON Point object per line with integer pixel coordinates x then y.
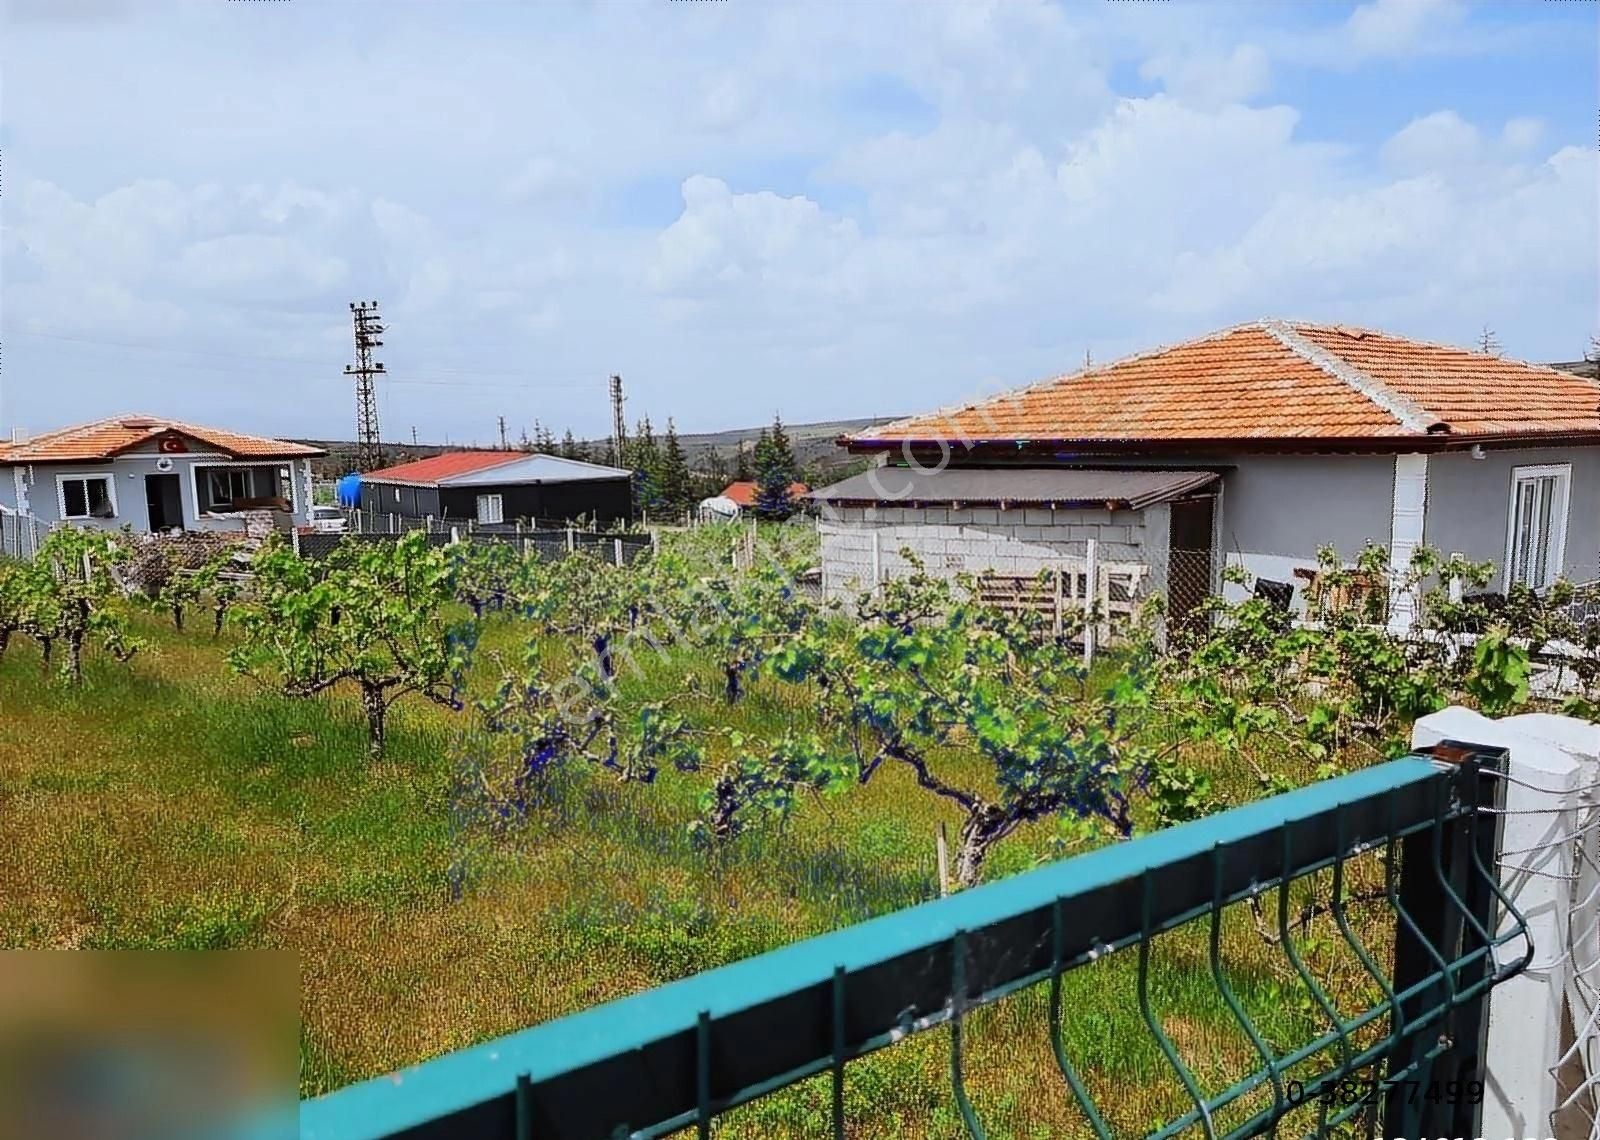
{"type": "Point", "coordinates": [679, 1055]}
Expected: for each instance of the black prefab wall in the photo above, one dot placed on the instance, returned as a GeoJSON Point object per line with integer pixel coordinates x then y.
{"type": "Point", "coordinates": [604, 499]}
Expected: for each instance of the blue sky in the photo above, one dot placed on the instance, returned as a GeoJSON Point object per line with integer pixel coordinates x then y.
{"type": "Point", "coordinates": [823, 209]}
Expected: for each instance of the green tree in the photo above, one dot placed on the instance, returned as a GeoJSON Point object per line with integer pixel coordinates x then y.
{"type": "Point", "coordinates": [372, 615]}
{"type": "Point", "coordinates": [741, 464]}
{"type": "Point", "coordinates": [67, 595]}
{"type": "Point", "coordinates": [569, 446]}
{"type": "Point", "coordinates": [775, 473]}
{"type": "Point", "coordinates": [673, 473]}
{"type": "Point", "coordinates": [644, 459]}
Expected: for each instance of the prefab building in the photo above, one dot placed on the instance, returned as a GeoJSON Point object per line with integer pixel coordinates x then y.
{"type": "Point", "coordinates": [492, 487]}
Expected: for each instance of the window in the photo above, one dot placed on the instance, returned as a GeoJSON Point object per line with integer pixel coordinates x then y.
{"type": "Point", "coordinates": [1537, 539]}
{"type": "Point", "coordinates": [228, 485]}
{"type": "Point", "coordinates": [87, 496]}
{"type": "Point", "coordinates": [489, 509]}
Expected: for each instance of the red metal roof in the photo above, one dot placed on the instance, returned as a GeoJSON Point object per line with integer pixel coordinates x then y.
{"type": "Point", "coordinates": [106, 438]}
{"type": "Point", "coordinates": [431, 470]}
{"type": "Point", "coordinates": [744, 492]}
{"type": "Point", "coordinates": [1280, 382]}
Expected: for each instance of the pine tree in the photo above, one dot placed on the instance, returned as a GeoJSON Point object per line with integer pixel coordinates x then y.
{"type": "Point", "coordinates": [644, 458]}
{"type": "Point", "coordinates": [774, 463]}
{"type": "Point", "coordinates": [674, 472]}
{"type": "Point", "coordinates": [569, 446]}
{"type": "Point", "coordinates": [741, 464]}
{"type": "Point", "coordinates": [782, 452]}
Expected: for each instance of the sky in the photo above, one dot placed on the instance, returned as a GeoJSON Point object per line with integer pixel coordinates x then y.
{"type": "Point", "coordinates": [820, 210]}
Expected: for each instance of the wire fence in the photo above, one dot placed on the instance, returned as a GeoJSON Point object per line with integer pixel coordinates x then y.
{"type": "Point", "coordinates": [20, 535]}
{"type": "Point", "coordinates": [364, 521]}
{"type": "Point", "coordinates": [620, 549]}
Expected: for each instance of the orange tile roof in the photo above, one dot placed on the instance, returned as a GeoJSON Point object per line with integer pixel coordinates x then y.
{"type": "Point", "coordinates": [437, 467]}
{"type": "Point", "coordinates": [1275, 381]}
{"type": "Point", "coordinates": [744, 492]}
{"type": "Point", "coordinates": [107, 438]}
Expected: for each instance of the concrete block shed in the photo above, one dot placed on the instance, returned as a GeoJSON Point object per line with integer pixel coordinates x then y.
{"type": "Point", "coordinates": [1020, 521]}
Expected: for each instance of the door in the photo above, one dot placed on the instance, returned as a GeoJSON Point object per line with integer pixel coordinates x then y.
{"type": "Point", "coordinates": [1189, 558]}
{"type": "Point", "coordinates": [164, 502]}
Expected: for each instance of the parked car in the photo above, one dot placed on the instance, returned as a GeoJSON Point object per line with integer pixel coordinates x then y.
{"type": "Point", "coordinates": [327, 520]}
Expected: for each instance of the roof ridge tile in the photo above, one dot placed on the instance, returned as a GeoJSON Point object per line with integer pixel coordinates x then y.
{"type": "Point", "coordinates": [1408, 413]}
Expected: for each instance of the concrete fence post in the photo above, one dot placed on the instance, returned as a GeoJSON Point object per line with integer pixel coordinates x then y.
{"type": "Point", "coordinates": [877, 559]}
{"type": "Point", "coordinates": [617, 550]}
{"type": "Point", "coordinates": [572, 542]}
{"type": "Point", "coordinates": [294, 540]}
{"type": "Point", "coordinates": [1554, 764]}
{"type": "Point", "coordinates": [1091, 597]}
{"type": "Point", "coordinates": [455, 535]}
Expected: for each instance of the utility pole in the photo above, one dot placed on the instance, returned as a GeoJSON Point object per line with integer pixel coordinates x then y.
{"type": "Point", "coordinates": [503, 434]}
{"type": "Point", "coordinates": [616, 420]}
{"type": "Point", "coordinates": [368, 328]}
{"type": "Point", "coordinates": [413, 435]}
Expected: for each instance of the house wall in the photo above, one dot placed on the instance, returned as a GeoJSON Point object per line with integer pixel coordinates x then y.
{"type": "Point", "coordinates": [1276, 510]}
{"type": "Point", "coordinates": [128, 472]}
{"type": "Point", "coordinates": [1469, 504]}
{"type": "Point", "coordinates": [408, 502]}
{"type": "Point", "coordinates": [951, 541]}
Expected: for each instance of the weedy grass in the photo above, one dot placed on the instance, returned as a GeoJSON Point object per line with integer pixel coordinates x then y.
{"type": "Point", "coordinates": [169, 803]}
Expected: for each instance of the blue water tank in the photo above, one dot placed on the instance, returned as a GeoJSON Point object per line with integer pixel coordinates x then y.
{"type": "Point", "coordinates": [347, 491]}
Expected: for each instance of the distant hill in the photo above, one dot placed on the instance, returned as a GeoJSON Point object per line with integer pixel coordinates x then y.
{"type": "Point", "coordinates": [814, 447]}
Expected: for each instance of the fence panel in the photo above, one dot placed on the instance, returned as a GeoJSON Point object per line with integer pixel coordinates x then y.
{"type": "Point", "coordinates": [684, 1053]}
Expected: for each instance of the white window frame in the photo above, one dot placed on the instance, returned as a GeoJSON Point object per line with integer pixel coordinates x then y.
{"type": "Point", "coordinates": [194, 482]}
{"type": "Point", "coordinates": [61, 494]}
{"type": "Point", "coordinates": [498, 501]}
{"type": "Point", "coordinates": [1556, 551]}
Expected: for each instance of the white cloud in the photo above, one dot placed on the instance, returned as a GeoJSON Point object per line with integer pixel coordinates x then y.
{"type": "Point", "coordinates": [1398, 27]}
{"type": "Point", "coordinates": [839, 210]}
{"type": "Point", "coordinates": [1438, 141]}
{"type": "Point", "coordinates": [1211, 80]}
{"type": "Point", "coordinates": [1522, 133]}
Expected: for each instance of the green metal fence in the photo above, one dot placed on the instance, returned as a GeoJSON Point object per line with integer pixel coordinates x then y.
{"type": "Point", "coordinates": [680, 1055]}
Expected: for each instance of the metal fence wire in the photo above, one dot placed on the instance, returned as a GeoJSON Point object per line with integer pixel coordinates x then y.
{"type": "Point", "coordinates": [20, 535]}
{"type": "Point", "coordinates": [1398, 859]}
{"type": "Point", "coordinates": [618, 549]}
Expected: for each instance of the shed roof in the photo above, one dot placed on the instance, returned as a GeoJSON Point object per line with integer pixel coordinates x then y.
{"type": "Point", "coordinates": [745, 491]}
{"type": "Point", "coordinates": [110, 437]}
{"type": "Point", "coordinates": [1283, 382]}
{"type": "Point", "coordinates": [487, 468]}
{"type": "Point", "coordinates": [1111, 488]}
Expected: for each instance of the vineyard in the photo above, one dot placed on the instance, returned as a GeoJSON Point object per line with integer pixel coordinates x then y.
{"type": "Point", "coordinates": [476, 789]}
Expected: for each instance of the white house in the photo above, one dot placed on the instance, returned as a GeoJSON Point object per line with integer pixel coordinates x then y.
{"type": "Point", "coordinates": [155, 474]}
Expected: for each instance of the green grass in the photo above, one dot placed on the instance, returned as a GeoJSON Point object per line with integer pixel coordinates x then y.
{"type": "Point", "coordinates": [169, 803]}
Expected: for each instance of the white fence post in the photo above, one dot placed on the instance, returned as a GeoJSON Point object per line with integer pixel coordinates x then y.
{"type": "Point", "coordinates": [1091, 595]}
{"type": "Point", "coordinates": [877, 559]}
{"type": "Point", "coordinates": [572, 543]}
{"type": "Point", "coordinates": [1549, 798]}
{"type": "Point", "coordinates": [616, 546]}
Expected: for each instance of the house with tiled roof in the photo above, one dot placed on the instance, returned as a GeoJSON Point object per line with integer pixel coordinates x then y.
{"type": "Point", "coordinates": [492, 487]}
{"type": "Point", "coordinates": [1254, 445]}
{"type": "Point", "coordinates": [155, 474]}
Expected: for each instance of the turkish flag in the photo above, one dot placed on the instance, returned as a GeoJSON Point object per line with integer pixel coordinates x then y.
{"type": "Point", "coordinates": [172, 444]}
